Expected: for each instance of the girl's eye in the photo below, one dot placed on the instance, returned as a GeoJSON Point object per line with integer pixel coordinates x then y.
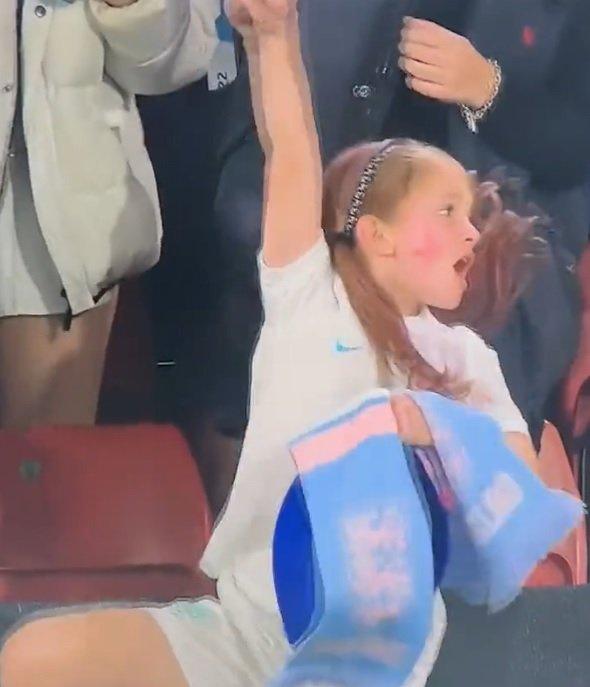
{"type": "Point", "coordinates": [448, 210]}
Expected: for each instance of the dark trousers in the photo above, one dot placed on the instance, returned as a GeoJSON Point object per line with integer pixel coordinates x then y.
{"type": "Point", "coordinates": [238, 220]}
{"type": "Point", "coordinates": [185, 290]}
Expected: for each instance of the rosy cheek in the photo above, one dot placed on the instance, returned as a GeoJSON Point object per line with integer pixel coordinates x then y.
{"type": "Point", "coordinates": [425, 244]}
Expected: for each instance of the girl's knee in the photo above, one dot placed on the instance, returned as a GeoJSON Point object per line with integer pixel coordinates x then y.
{"type": "Point", "coordinates": [44, 652]}
{"type": "Point", "coordinates": [102, 648]}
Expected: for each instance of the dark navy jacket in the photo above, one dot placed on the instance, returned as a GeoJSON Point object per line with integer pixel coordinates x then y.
{"type": "Point", "coordinates": [538, 129]}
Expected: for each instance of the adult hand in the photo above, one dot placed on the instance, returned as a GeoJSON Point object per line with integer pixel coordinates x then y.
{"type": "Point", "coordinates": [412, 427]}
{"type": "Point", "coordinates": [259, 17]}
{"type": "Point", "coordinates": [443, 65]}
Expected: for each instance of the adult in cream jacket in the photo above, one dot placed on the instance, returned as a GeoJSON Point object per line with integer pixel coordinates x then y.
{"type": "Point", "coordinates": [78, 203]}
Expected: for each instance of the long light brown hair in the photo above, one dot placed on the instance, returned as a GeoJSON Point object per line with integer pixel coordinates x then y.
{"type": "Point", "coordinates": [494, 282]}
{"type": "Point", "coordinates": [510, 249]}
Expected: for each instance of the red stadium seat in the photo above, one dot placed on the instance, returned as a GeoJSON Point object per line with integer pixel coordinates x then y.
{"type": "Point", "coordinates": [94, 514]}
{"type": "Point", "coordinates": [567, 564]}
{"type": "Point", "coordinates": [575, 397]}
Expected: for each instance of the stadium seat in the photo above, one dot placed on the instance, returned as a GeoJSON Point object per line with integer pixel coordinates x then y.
{"type": "Point", "coordinates": [100, 514]}
{"type": "Point", "coordinates": [567, 564]}
{"type": "Point", "coordinates": [575, 395]}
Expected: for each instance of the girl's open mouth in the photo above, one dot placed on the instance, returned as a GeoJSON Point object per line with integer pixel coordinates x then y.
{"type": "Point", "coordinates": [463, 265]}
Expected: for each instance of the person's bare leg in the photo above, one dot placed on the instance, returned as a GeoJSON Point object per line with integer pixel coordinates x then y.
{"type": "Point", "coordinates": [110, 648]}
{"type": "Point", "coordinates": [51, 376]}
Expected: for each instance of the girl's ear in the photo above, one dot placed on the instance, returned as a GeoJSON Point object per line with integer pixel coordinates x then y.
{"type": "Point", "coordinates": [375, 237]}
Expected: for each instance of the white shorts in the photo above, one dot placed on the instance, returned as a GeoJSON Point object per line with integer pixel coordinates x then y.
{"type": "Point", "coordinates": [214, 649]}
{"type": "Point", "coordinates": [231, 645]}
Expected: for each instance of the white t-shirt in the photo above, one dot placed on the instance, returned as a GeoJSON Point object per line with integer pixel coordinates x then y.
{"type": "Point", "coordinates": [313, 358]}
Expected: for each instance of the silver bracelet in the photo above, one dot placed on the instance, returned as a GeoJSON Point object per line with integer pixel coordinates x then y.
{"type": "Point", "coordinates": [473, 117]}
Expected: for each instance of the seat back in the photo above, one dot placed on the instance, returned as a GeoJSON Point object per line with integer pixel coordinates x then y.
{"type": "Point", "coordinates": [575, 394]}
{"type": "Point", "coordinates": [89, 514]}
{"type": "Point", "coordinates": [567, 564]}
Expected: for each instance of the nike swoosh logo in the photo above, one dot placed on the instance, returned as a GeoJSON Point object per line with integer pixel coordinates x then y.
{"type": "Point", "coordinates": [339, 347]}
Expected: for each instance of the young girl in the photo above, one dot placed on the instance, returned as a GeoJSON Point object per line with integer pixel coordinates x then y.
{"type": "Point", "coordinates": [346, 311]}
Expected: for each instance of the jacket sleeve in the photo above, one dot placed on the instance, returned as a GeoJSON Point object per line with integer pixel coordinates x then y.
{"type": "Point", "coordinates": [546, 129]}
{"type": "Point", "coordinates": [157, 46]}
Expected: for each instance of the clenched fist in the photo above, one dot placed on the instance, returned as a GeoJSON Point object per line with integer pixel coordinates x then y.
{"type": "Point", "coordinates": [257, 17]}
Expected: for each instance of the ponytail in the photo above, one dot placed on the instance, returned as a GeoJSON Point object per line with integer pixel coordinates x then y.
{"type": "Point", "coordinates": [506, 258]}
{"type": "Point", "coordinates": [385, 326]}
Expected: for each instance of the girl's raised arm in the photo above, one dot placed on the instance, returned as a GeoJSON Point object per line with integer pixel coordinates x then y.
{"type": "Point", "coordinates": [286, 127]}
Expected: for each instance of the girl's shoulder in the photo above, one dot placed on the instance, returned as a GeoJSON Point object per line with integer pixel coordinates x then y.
{"type": "Point", "coordinates": [454, 348]}
{"type": "Point", "coordinates": [480, 366]}
{"type": "Point", "coordinates": [476, 355]}
{"type": "Point", "coordinates": [469, 338]}
{"type": "Point", "coordinates": [468, 358]}
{"type": "Point", "coordinates": [460, 339]}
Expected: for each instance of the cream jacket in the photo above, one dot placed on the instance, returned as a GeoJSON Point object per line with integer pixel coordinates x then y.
{"type": "Point", "coordinates": [92, 182]}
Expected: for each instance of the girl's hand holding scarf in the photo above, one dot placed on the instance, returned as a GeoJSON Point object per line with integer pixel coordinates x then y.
{"type": "Point", "coordinates": [412, 427]}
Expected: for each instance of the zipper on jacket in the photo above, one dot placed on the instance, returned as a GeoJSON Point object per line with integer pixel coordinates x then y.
{"type": "Point", "coordinates": [69, 315]}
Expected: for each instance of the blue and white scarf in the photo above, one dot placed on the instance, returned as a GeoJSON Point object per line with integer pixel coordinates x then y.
{"type": "Point", "coordinates": [355, 567]}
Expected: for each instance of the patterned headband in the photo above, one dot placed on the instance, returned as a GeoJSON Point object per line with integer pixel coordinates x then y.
{"type": "Point", "coordinates": [367, 178]}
